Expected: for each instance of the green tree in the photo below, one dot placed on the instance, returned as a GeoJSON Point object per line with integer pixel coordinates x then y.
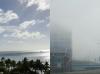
{"type": "Point", "coordinates": [46, 67]}
{"type": "Point", "coordinates": [13, 64]}
{"type": "Point", "coordinates": [8, 64]}
{"type": "Point", "coordinates": [3, 59]}
{"type": "Point", "coordinates": [25, 66]}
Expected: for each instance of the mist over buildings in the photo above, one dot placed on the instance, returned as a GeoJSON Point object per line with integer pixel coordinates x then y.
{"type": "Point", "coordinates": [82, 17]}
{"type": "Point", "coordinates": [60, 39]}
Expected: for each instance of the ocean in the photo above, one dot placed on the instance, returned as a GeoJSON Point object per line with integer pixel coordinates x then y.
{"type": "Point", "coordinates": [43, 56]}
{"type": "Point", "coordinates": [85, 67]}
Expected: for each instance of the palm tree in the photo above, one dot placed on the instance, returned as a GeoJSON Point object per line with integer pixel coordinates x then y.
{"type": "Point", "coordinates": [25, 66]}
{"type": "Point", "coordinates": [3, 59]}
{"type": "Point", "coordinates": [13, 64]}
{"type": "Point", "coordinates": [46, 67]}
{"type": "Point", "coordinates": [38, 63]}
{"type": "Point", "coordinates": [41, 68]}
{"type": "Point", "coordinates": [2, 64]}
{"type": "Point", "coordinates": [8, 64]}
{"type": "Point", "coordinates": [31, 65]}
{"type": "Point", "coordinates": [18, 66]}
{"type": "Point", "coordinates": [18, 63]}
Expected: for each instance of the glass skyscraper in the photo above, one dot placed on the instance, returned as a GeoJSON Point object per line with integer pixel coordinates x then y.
{"type": "Point", "coordinates": [61, 49]}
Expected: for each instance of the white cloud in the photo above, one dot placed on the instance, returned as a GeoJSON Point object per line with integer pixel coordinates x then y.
{"type": "Point", "coordinates": [8, 16]}
{"type": "Point", "coordinates": [14, 41]}
{"type": "Point", "coordinates": [40, 21]}
{"type": "Point", "coordinates": [48, 25]}
{"type": "Point", "coordinates": [21, 32]}
{"type": "Point", "coordinates": [42, 4]}
{"type": "Point", "coordinates": [25, 35]}
{"type": "Point", "coordinates": [27, 24]}
{"type": "Point", "coordinates": [1, 29]}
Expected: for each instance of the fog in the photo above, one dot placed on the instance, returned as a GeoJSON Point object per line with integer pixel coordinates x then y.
{"type": "Point", "coordinates": [82, 17]}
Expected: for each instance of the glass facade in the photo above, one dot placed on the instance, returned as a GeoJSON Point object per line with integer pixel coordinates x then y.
{"type": "Point", "coordinates": [61, 50]}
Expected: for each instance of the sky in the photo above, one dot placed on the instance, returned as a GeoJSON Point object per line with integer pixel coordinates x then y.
{"type": "Point", "coordinates": [82, 17]}
{"type": "Point", "coordinates": [24, 25]}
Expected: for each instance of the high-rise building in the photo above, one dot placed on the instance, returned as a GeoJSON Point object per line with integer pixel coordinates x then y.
{"type": "Point", "coordinates": [61, 50]}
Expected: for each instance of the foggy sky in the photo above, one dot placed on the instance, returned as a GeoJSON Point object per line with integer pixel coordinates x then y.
{"type": "Point", "coordinates": [83, 18]}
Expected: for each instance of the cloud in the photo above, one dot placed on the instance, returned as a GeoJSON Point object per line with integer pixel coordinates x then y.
{"type": "Point", "coordinates": [20, 32]}
{"type": "Point", "coordinates": [14, 41]}
{"type": "Point", "coordinates": [1, 29]}
{"type": "Point", "coordinates": [25, 35]}
{"type": "Point", "coordinates": [8, 16]}
{"type": "Point", "coordinates": [27, 24]}
{"type": "Point", "coordinates": [42, 4]}
{"type": "Point", "coordinates": [40, 21]}
{"type": "Point", "coordinates": [48, 25]}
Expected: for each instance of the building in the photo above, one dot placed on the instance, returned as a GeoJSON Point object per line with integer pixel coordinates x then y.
{"type": "Point", "coordinates": [60, 50]}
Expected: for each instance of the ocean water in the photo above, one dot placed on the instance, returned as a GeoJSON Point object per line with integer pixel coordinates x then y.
{"type": "Point", "coordinates": [43, 56]}
{"type": "Point", "coordinates": [85, 67]}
